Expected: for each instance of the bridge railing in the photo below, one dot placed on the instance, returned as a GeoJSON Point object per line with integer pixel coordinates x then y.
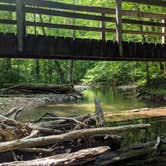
{"type": "Point", "coordinates": [103, 15]}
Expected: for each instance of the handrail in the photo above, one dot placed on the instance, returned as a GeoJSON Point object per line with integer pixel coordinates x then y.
{"type": "Point", "coordinates": [161, 3]}
{"type": "Point", "coordinates": [8, 1]}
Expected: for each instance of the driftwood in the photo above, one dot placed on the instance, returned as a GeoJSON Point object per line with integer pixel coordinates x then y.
{"type": "Point", "coordinates": [13, 113]}
{"type": "Point", "coordinates": [38, 88]}
{"type": "Point", "coordinates": [11, 129]}
{"type": "Point", "coordinates": [53, 140]}
{"type": "Point", "coordinates": [99, 113]}
{"type": "Point", "coordinates": [35, 142]}
{"type": "Point", "coordinates": [99, 156]}
{"type": "Point", "coordinates": [76, 158]}
{"type": "Point", "coordinates": [122, 156]}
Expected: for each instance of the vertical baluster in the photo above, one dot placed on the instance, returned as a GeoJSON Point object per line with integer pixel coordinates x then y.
{"type": "Point", "coordinates": [21, 27]}
{"type": "Point", "coordinates": [164, 31]}
{"type": "Point", "coordinates": [119, 25]}
{"type": "Point", "coordinates": [103, 37]}
{"type": "Point", "coordinates": [164, 42]}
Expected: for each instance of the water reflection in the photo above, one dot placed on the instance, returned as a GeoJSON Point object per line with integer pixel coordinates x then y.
{"type": "Point", "coordinates": [112, 100]}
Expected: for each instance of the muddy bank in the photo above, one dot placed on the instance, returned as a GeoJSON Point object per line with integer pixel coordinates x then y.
{"type": "Point", "coordinates": [29, 102]}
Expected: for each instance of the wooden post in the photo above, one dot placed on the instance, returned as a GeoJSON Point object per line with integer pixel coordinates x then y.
{"type": "Point", "coordinates": [103, 37]}
{"type": "Point", "coordinates": [164, 31]}
{"type": "Point", "coordinates": [119, 25]}
{"type": "Point", "coordinates": [21, 28]}
{"type": "Point", "coordinates": [164, 40]}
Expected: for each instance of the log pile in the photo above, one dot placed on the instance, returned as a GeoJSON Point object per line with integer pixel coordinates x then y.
{"type": "Point", "coordinates": [37, 89]}
{"type": "Point", "coordinates": [58, 141]}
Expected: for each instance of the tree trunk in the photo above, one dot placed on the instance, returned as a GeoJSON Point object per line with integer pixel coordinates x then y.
{"type": "Point", "coordinates": [70, 72]}
{"type": "Point", "coordinates": [37, 70]}
{"type": "Point", "coordinates": [84, 133]}
{"type": "Point", "coordinates": [60, 72]}
{"type": "Point", "coordinates": [38, 88]}
{"type": "Point", "coordinates": [68, 159]}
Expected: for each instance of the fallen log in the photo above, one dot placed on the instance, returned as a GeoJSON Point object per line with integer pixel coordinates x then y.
{"type": "Point", "coordinates": [122, 156]}
{"type": "Point", "coordinates": [76, 158]}
{"type": "Point", "coordinates": [38, 88]}
{"type": "Point", "coordinates": [84, 133]}
{"type": "Point", "coordinates": [11, 129]}
{"type": "Point", "coordinates": [13, 113]}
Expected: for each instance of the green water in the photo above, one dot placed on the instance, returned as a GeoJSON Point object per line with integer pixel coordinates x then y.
{"type": "Point", "coordinates": [112, 100]}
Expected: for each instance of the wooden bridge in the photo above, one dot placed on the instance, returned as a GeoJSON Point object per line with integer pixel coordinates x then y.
{"type": "Point", "coordinates": [22, 43]}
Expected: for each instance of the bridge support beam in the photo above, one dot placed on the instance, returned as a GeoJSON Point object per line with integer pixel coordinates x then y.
{"type": "Point", "coordinates": [21, 27]}
{"type": "Point", "coordinates": [119, 25]}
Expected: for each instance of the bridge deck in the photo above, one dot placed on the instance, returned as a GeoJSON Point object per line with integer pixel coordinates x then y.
{"type": "Point", "coordinates": [79, 49]}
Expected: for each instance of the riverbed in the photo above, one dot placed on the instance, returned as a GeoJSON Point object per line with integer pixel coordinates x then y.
{"type": "Point", "coordinates": [112, 101]}
{"type": "Point", "coordinates": [118, 108]}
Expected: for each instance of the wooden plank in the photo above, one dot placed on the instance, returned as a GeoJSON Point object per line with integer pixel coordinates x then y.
{"type": "Point", "coordinates": [4, 21]}
{"type": "Point", "coordinates": [95, 29]}
{"type": "Point", "coordinates": [90, 17]}
{"type": "Point", "coordinates": [8, 1]}
{"type": "Point", "coordinates": [69, 14]}
{"type": "Point", "coordinates": [8, 8]}
{"type": "Point", "coordinates": [148, 23]}
{"type": "Point", "coordinates": [164, 31]}
{"type": "Point", "coordinates": [71, 27]}
{"type": "Point", "coordinates": [103, 36]}
{"type": "Point", "coordinates": [51, 4]}
{"type": "Point", "coordinates": [139, 14]}
{"type": "Point", "coordinates": [119, 25]}
{"type": "Point", "coordinates": [21, 28]}
{"type": "Point", "coordinates": [143, 33]}
{"type": "Point", "coordinates": [92, 9]}
{"type": "Point", "coordinates": [8, 50]}
{"type": "Point", "coordinates": [149, 2]}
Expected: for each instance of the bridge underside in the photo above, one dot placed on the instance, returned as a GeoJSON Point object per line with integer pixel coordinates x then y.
{"type": "Point", "coordinates": [41, 47]}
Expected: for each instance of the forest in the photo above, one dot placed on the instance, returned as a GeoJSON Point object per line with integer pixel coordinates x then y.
{"type": "Point", "coordinates": [83, 112]}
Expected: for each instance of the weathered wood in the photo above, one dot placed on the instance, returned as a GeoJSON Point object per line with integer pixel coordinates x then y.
{"type": "Point", "coordinates": [12, 130]}
{"type": "Point", "coordinates": [50, 4]}
{"type": "Point", "coordinates": [127, 154]}
{"type": "Point", "coordinates": [21, 28]}
{"type": "Point", "coordinates": [5, 21]}
{"type": "Point", "coordinates": [75, 27]}
{"type": "Point", "coordinates": [164, 32]}
{"type": "Point", "coordinates": [103, 35]}
{"type": "Point", "coordinates": [149, 2]}
{"type": "Point", "coordinates": [69, 14]}
{"type": "Point", "coordinates": [119, 26]}
{"type": "Point", "coordinates": [99, 113]}
{"type": "Point", "coordinates": [8, 1]}
{"type": "Point", "coordinates": [62, 48]}
{"type": "Point", "coordinates": [13, 113]}
{"type": "Point", "coordinates": [80, 157]}
{"type": "Point", "coordinates": [38, 88]}
{"type": "Point", "coordinates": [91, 17]}
{"type": "Point", "coordinates": [8, 8]}
{"type": "Point", "coordinates": [47, 140]}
